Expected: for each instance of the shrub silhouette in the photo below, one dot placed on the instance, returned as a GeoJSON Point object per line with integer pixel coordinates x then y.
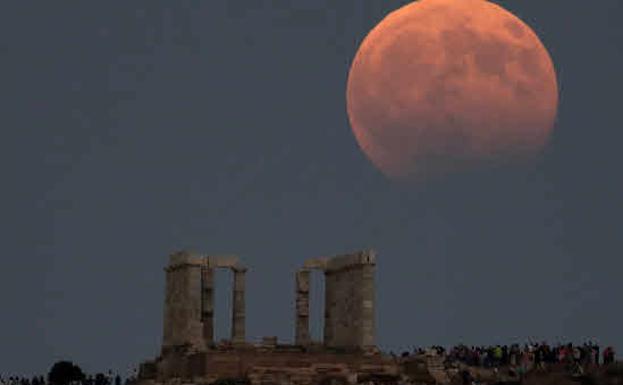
{"type": "Point", "coordinates": [64, 373]}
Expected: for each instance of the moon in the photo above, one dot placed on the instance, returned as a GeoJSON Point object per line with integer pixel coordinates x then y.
{"type": "Point", "coordinates": [440, 86]}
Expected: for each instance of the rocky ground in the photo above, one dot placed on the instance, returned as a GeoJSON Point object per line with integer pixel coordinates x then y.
{"type": "Point", "coordinates": [285, 367]}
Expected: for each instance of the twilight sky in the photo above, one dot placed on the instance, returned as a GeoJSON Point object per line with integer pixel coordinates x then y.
{"type": "Point", "coordinates": [132, 129]}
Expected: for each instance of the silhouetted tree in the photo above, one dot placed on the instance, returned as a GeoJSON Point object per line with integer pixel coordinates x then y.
{"type": "Point", "coordinates": [64, 373]}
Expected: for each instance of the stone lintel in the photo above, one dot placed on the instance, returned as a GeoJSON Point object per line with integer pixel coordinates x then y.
{"type": "Point", "coordinates": [239, 268]}
{"type": "Point", "coordinates": [184, 258]}
{"type": "Point", "coordinates": [224, 261]}
{"type": "Point", "coordinates": [188, 258]}
{"type": "Point", "coordinates": [363, 257]}
{"type": "Point", "coordinates": [319, 263]}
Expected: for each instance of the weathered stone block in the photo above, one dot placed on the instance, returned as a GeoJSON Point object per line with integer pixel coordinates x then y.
{"type": "Point", "coordinates": [365, 257]}
{"type": "Point", "coordinates": [223, 261]}
{"type": "Point", "coordinates": [316, 263]}
{"type": "Point", "coordinates": [302, 281]}
{"type": "Point", "coordinates": [182, 258]}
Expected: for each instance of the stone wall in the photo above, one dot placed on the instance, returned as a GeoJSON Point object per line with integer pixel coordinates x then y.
{"type": "Point", "coordinates": [273, 366]}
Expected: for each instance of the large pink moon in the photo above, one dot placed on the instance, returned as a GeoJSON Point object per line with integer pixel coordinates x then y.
{"type": "Point", "coordinates": [441, 85]}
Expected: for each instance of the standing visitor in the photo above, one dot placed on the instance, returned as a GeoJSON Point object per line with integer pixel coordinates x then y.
{"type": "Point", "coordinates": [609, 355]}
{"type": "Point", "coordinates": [597, 354]}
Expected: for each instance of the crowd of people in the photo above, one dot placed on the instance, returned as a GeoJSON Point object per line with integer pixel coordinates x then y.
{"type": "Point", "coordinates": [529, 356]}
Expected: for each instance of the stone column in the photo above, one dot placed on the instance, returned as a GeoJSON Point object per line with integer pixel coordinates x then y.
{"type": "Point", "coordinates": [238, 309]}
{"type": "Point", "coordinates": [368, 314]}
{"type": "Point", "coordinates": [302, 307]}
{"type": "Point", "coordinates": [329, 299]}
{"type": "Point", "coordinates": [207, 304]}
{"type": "Point", "coordinates": [182, 310]}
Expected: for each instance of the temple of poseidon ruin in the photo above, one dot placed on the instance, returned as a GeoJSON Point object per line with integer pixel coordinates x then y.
{"type": "Point", "coordinates": [346, 355]}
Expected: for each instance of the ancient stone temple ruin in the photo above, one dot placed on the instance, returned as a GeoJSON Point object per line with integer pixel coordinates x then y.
{"type": "Point", "coordinates": [346, 355]}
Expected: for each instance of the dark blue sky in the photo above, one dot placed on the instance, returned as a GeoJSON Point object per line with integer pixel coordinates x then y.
{"type": "Point", "coordinates": [132, 129]}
